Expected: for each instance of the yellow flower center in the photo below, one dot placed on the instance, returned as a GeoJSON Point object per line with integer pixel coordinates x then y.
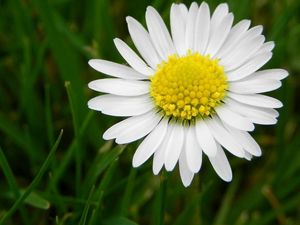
{"type": "Point", "coordinates": [188, 87]}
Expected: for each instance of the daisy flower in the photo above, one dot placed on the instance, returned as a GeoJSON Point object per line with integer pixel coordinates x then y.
{"type": "Point", "coordinates": [193, 91]}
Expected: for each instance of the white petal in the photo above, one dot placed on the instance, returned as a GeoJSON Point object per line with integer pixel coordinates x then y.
{"type": "Point", "coordinates": [266, 47]}
{"type": "Point", "coordinates": [192, 150]}
{"type": "Point", "coordinates": [245, 139]}
{"type": "Point", "coordinates": [237, 106]}
{"type": "Point", "coordinates": [159, 154]}
{"type": "Point", "coordinates": [177, 23]}
{"type": "Point", "coordinates": [159, 33]}
{"type": "Point", "coordinates": [225, 138]}
{"type": "Point", "coordinates": [205, 138]}
{"type": "Point", "coordinates": [190, 26]}
{"type": "Point", "coordinates": [142, 42]}
{"type": "Point", "coordinates": [221, 165]}
{"type": "Point", "coordinates": [254, 86]}
{"type": "Point", "coordinates": [174, 146]}
{"type": "Point", "coordinates": [236, 33]}
{"type": "Point", "coordinates": [132, 58]}
{"type": "Point", "coordinates": [254, 31]}
{"type": "Point", "coordinates": [115, 69]}
{"type": "Point", "coordinates": [249, 67]}
{"type": "Point", "coordinates": [246, 51]}
{"type": "Point", "coordinates": [241, 41]}
{"type": "Point", "coordinates": [202, 28]}
{"type": "Point", "coordinates": [185, 174]}
{"type": "Point", "coordinates": [233, 118]}
{"type": "Point", "coordinates": [120, 86]}
{"type": "Point", "coordinates": [248, 156]}
{"type": "Point", "coordinates": [121, 106]}
{"type": "Point", "coordinates": [218, 15]}
{"type": "Point", "coordinates": [271, 112]}
{"type": "Point", "coordinates": [184, 11]}
{"type": "Point", "coordinates": [129, 124]}
{"type": "Point", "coordinates": [256, 100]}
{"type": "Point", "coordinates": [257, 115]}
{"type": "Point", "coordinates": [218, 36]}
{"type": "Point", "coordinates": [150, 144]}
{"type": "Point", "coordinates": [270, 74]}
{"type": "Point", "coordinates": [242, 47]}
{"type": "Point", "coordinates": [139, 130]}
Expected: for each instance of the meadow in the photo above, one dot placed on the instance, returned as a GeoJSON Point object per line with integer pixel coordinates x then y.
{"type": "Point", "coordinates": [55, 168]}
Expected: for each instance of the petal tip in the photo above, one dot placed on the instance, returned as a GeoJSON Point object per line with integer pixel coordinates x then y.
{"type": "Point", "coordinates": [92, 62]}
{"type": "Point", "coordinates": [91, 105]}
{"type": "Point", "coordinates": [91, 85]}
{"type": "Point", "coordinates": [116, 40]}
{"type": "Point", "coordinates": [169, 167]}
{"type": "Point", "coordinates": [194, 4]}
{"type": "Point", "coordinates": [251, 127]}
{"type": "Point", "coordinates": [129, 19]}
{"type": "Point", "coordinates": [135, 163]}
{"type": "Point", "coordinates": [227, 176]}
{"type": "Point", "coordinates": [227, 179]}
{"type": "Point", "coordinates": [150, 8]}
{"type": "Point", "coordinates": [279, 105]}
{"type": "Point", "coordinates": [186, 183]}
{"type": "Point", "coordinates": [285, 73]}
{"type": "Point", "coordinates": [106, 136]}
{"type": "Point", "coordinates": [204, 3]}
{"type": "Point", "coordinates": [155, 171]}
{"type": "Point", "coordinates": [258, 153]}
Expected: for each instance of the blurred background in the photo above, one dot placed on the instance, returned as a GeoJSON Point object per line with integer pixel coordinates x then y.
{"type": "Point", "coordinates": [76, 177]}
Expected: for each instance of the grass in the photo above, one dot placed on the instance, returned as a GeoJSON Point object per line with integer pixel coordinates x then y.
{"type": "Point", "coordinates": [78, 178]}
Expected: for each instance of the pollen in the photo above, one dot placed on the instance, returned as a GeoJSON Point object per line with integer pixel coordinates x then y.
{"type": "Point", "coordinates": [188, 87]}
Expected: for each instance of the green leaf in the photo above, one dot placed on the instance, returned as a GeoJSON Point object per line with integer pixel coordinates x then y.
{"type": "Point", "coordinates": [36, 200]}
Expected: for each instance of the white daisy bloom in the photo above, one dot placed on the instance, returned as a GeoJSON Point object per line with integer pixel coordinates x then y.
{"type": "Point", "coordinates": [192, 91]}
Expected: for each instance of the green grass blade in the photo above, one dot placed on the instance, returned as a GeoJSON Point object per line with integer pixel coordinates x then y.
{"type": "Point", "coordinates": [64, 55]}
{"type": "Point", "coordinates": [125, 202]}
{"type": "Point", "coordinates": [227, 202]}
{"type": "Point", "coordinates": [18, 136]}
{"type": "Point", "coordinates": [119, 221]}
{"type": "Point", "coordinates": [34, 199]}
{"type": "Point", "coordinates": [34, 183]}
{"type": "Point", "coordinates": [12, 183]}
{"type": "Point", "coordinates": [160, 201]}
{"type": "Point", "coordinates": [59, 171]}
{"type": "Point", "coordinates": [103, 29]}
{"type": "Point", "coordinates": [271, 216]}
{"type": "Point", "coordinates": [101, 162]}
{"type": "Point", "coordinates": [9, 174]}
{"type": "Point", "coordinates": [103, 186]}
{"type": "Point", "coordinates": [186, 215]}
{"type": "Point", "coordinates": [78, 155]}
{"type": "Point", "coordinates": [48, 116]}
{"type": "Point", "coordinates": [86, 208]}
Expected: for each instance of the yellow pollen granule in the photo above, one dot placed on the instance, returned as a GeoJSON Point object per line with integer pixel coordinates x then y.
{"type": "Point", "coordinates": [188, 87]}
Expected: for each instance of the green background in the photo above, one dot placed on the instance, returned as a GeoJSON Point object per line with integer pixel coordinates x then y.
{"type": "Point", "coordinates": [77, 178]}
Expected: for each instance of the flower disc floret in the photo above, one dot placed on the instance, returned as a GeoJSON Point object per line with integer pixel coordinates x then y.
{"type": "Point", "coordinates": [188, 87]}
